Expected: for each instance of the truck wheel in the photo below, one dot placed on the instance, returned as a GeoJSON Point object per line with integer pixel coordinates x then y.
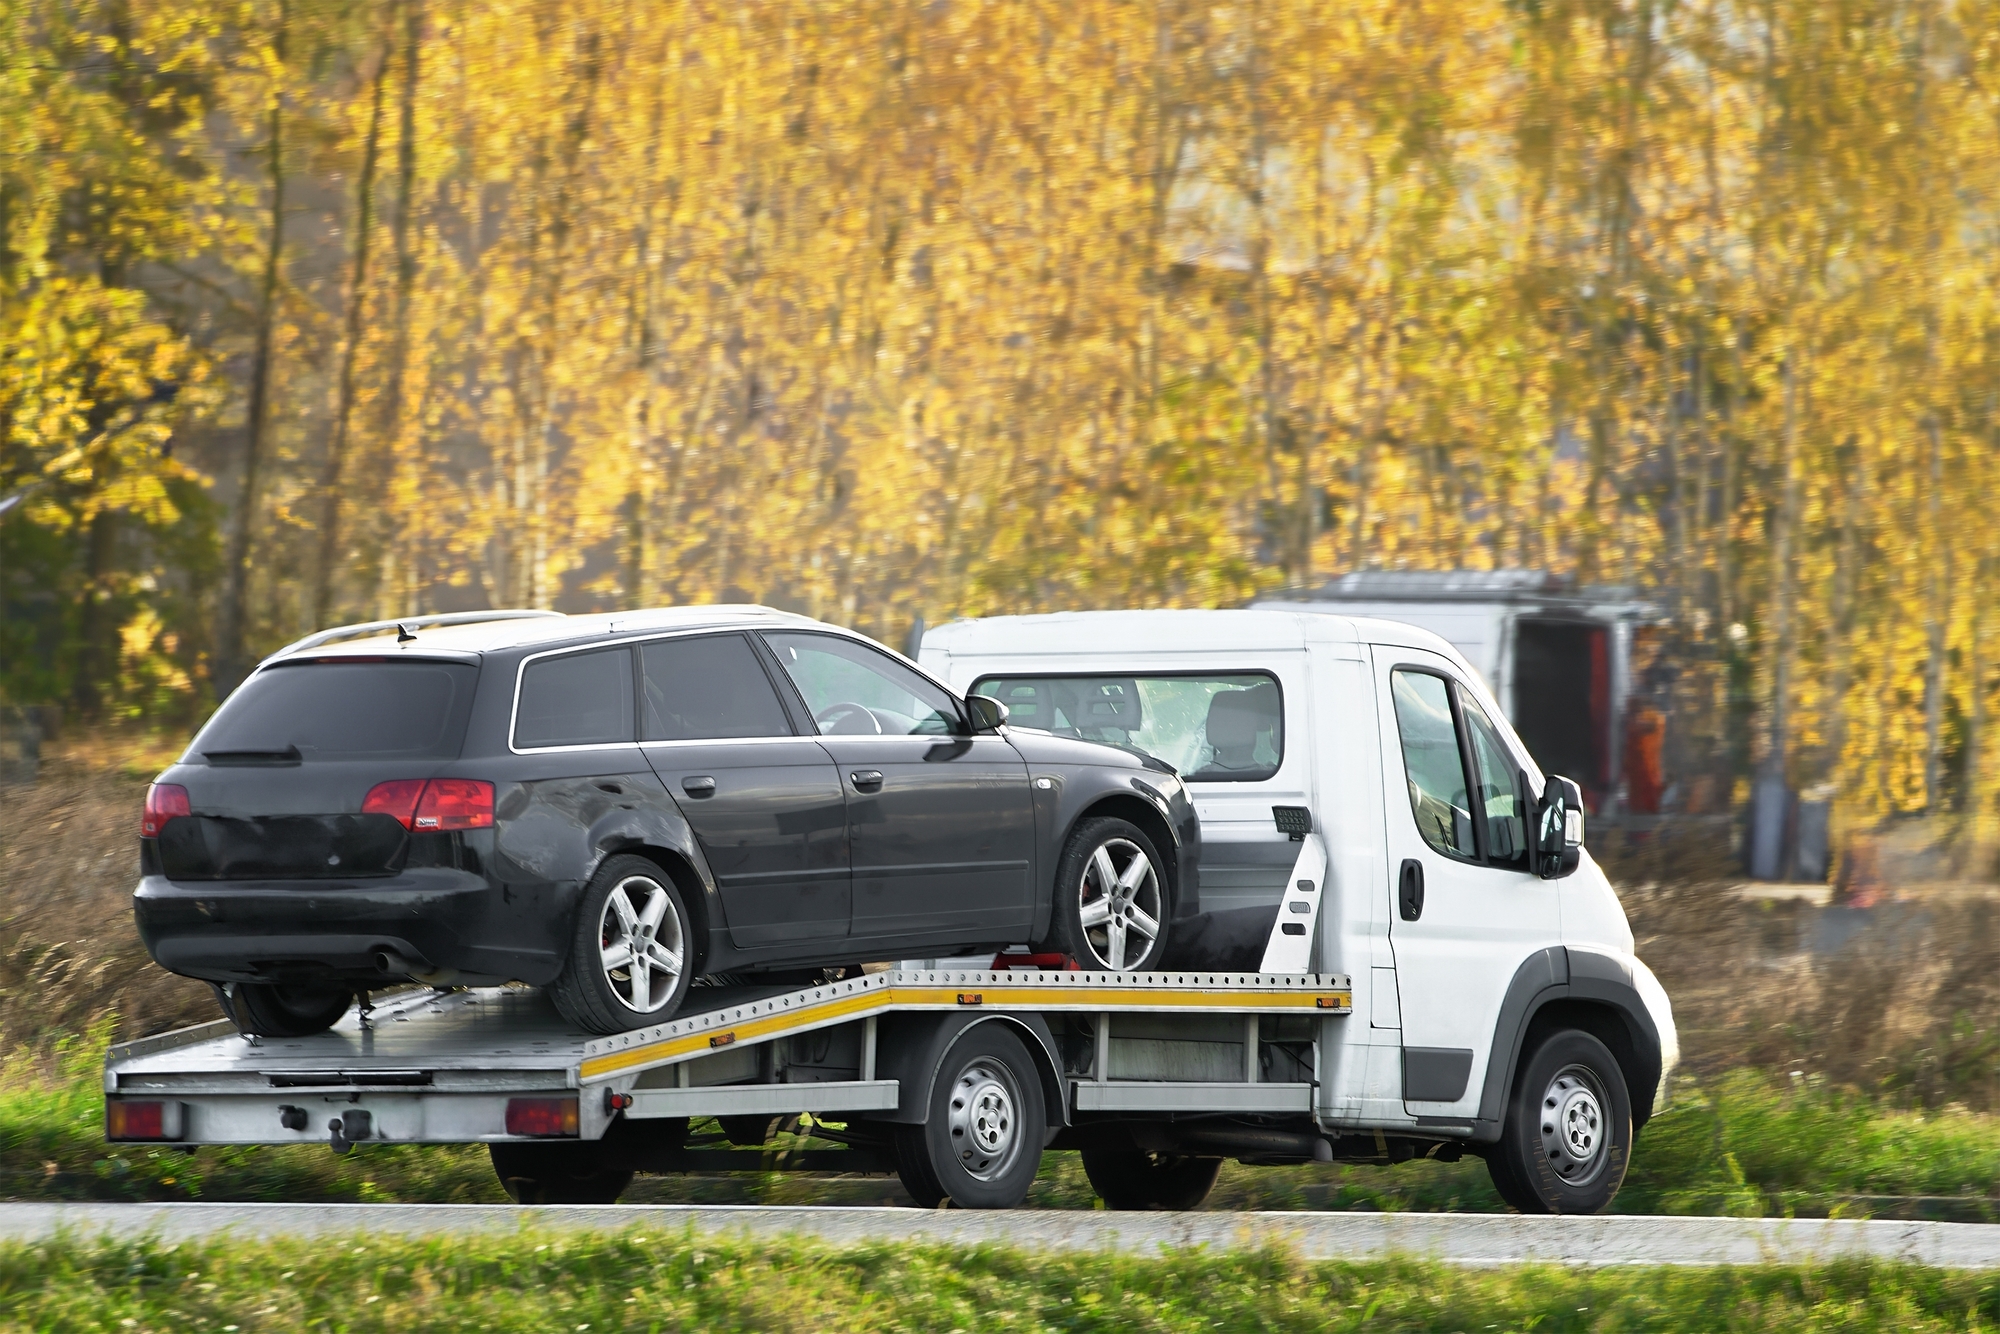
{"type": "Point", "coordinates": [1132, 1179]}
{"type": "Point", "coordinates": [1567, 1137]}
{"type": "Point", "coordinates": [981, 1140]}
{"type": "Point", "coordinates": [629, 956]}
{"type": "Point", "coordinates": [287, 1012]}
{"type": "Point", "coordinates": [557, 1174]}
{"type": "Point", "coordinates": [1110, 911]}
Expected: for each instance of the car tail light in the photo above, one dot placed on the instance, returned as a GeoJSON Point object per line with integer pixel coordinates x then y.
{"type": "Point", "coordinates": [164, 801]}
{"type": "Point", "coordinates": [143, 1120]}
{"type": "Point", "coordinates": [455, 803]}
{"type": "Point", "coordinates": [441, 803]}
{"type": "Point", "coordinates": [542, 1116]}
{"type": "Point", "coordinates": [398, 798]}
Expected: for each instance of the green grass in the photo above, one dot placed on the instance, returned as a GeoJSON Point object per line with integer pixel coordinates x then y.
{"type": "Point", "coordinates": [1745, 1146]}
{"type": "Point", "coordinates": [590, 1283]}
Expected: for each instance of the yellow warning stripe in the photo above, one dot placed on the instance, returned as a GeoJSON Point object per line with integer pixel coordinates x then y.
{"type": "Point", "coordinates": [862, 1003]}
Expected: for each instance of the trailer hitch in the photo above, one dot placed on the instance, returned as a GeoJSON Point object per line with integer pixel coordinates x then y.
{"type": "Point", "coordinates": [348, 1129]}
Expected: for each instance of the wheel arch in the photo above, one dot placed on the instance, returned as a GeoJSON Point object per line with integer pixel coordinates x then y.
{"type": "Point", "coordinates": [912, 1047]}
{"type": "Point", "coordinates": [1564, 987]}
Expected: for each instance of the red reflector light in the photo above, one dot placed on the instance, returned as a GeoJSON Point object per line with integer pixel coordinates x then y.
{"type": "Point", "coordinates": [542, 1116]}
{"type": "Point", "coordinates": [442, 803]}
{"type": "Point", "coordinates": [398, 798]}
{"type": "Point", "coordinates": [164, 801]}
{"type": "Point", "coordinates": [142, 1120]}
{"type": "Point", "coordinates": [455, 803]}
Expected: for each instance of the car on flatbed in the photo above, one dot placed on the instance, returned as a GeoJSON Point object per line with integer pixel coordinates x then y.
{"type": "Point", "coordinates": [615, 807]}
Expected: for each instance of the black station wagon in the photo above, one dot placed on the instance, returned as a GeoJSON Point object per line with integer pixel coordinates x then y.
{"type": "Point", "coordinates": [614, 807]}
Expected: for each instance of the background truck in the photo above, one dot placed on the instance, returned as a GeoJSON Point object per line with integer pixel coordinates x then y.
{"type": "Point", "coordinates": [1441, 970]}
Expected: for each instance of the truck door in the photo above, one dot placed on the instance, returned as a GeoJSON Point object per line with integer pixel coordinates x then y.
{"type": "Point", "coordinates": [1466, 909]}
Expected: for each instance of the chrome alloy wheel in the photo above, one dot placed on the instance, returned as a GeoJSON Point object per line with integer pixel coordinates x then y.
{"type": "Point", "coordinates": [640, 936]}
{"type": "Point", "coordinates": [983, 1119]}
{"type": "Point", "coordinates": [1119, 905]}
{"type": "Point", "coordinates": [1573, 1131]}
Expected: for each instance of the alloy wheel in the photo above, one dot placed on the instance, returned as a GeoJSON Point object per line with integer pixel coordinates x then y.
{"type": "Point", "coordinates": [1119, 904]}
{"type": "Point", "coordinates": [639, 934]}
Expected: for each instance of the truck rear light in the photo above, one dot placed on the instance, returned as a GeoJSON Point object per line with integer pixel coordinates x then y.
{"type": "Point", "coordinates": [455, 803]}
{"type": "Point", "coordinates": [542, 1116]}
{"type": "Point", "coordinates": [441, 803]}
{"type": "Point", "coordinates": [164, 801]}
{"type": "Point", "coordinates": [144, 1120]}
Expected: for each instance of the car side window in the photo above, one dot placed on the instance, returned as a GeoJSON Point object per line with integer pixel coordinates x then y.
{"type": "Point", "coordinates": [853, 690]}
{"type": "Point", "coordinates": [707, 688]}
{"type": "Point", "coordinates": [579, 699]}
{"type": "Point", "coordinates": [1499, 793]}
{"type": "Point", "coordinates": [1433, 762]}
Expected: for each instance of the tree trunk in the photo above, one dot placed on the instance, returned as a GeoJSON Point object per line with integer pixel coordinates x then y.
{"type": "Point", "coordinates": [1937, 598]}
{"type": "Point", "coordinates": [357, 305]}
{"type": "Point", "coordinates": [1781, 560]}
{"type": "Point", "coordinates": [230, 666]}
{"type": "Point", "coordinates": [399, 560]}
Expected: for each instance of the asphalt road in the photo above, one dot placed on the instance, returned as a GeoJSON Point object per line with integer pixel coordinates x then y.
{"type": "Point", "coordinates": [1467, 1239]}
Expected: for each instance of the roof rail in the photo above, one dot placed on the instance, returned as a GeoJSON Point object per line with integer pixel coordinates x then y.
{"type": "Point", "coordinates": [414, 622]}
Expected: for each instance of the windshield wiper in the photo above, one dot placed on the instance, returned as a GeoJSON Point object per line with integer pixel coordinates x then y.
{"type": "Point", "coordinates": [289, 755]}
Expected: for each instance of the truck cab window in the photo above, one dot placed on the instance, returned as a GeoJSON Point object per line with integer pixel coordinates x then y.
{"type": "Point", "coordinates": [1224, 728]}
{"type": "Point", "coordinates": [1500, 795]}
{"type": "Point", "coordinates": [1433, 763]}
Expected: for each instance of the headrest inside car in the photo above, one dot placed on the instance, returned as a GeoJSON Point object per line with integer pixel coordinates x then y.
{"type": "Point", "coordinates": [1235, 717]}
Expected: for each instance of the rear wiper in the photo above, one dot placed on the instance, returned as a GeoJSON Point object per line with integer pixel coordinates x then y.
{"type": "Point", "coordinates": [289, 755]}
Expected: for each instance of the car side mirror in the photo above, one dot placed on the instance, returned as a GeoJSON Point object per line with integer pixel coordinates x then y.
{"type": "Point", "coordinates": [1559, 829]}
{"type": "Point", "coordinates": [987, 713]}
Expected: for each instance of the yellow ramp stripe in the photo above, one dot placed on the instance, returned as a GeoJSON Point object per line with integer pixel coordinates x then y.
{"type": "Point", "coordinates": [952, 998]}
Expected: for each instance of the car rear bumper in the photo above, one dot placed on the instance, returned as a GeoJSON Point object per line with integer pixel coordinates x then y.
{"type": "Point", "coordinates": [432, 924]}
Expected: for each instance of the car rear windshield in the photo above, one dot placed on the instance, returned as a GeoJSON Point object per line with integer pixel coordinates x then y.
{"type": "Point", "coordinates": [343, 709]}
{"type": "Point", "coordinates": [1212, 728]}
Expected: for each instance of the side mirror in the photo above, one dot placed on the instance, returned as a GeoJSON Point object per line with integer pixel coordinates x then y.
{"type": "Point", "coordinates": [987, 713]}
{"type": "Point", "coordinates": [1559, 829]}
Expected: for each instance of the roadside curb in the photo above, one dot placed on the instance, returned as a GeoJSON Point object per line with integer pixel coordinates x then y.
{"type": "Point", "coordinates": [1462, 1239]}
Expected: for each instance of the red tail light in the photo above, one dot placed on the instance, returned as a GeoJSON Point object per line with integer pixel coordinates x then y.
{"type": "Point", "coordinates": [542, 1116]}
{"type": "Point", "coordinates": [164, 801]}
{"type": "Point", "coordinates": [441, 803]}
{"type": "Point", "coordinates": [455, 803]}
{"type": "Point", "coordinates": [143, 1120]}
{"type": "Point", "coordinates": [398, 798]}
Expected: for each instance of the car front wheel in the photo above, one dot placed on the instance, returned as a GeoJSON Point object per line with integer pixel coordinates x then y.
{"type": "Point", "coordinates": [1111, 904]}
{"type": "Point", "coordinates": [630, 956]}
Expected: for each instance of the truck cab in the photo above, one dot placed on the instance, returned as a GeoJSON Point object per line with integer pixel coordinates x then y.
{"type": "Point", "coordinates": [1474, 957]}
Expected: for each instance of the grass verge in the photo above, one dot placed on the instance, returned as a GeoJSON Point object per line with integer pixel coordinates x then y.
{"type": "Point", "coordinates": [585, 1282]}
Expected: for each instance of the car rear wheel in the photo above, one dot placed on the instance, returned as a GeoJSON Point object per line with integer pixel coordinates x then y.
{"type": "Point", "coordinates": [630, 956]}
{"type": "Point", "coordinates": [287, 1012]}
{"type": "Point", "coordinates": [1567, 1137]}
{"type": "Point", "coordinates": [1111, 903]}
{"type": "Point", "coordinates": [1132, 1179]}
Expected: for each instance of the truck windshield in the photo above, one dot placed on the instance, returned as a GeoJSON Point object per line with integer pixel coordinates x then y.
{"type": "Point", "coordinates": [342, 710]}
{"type": "Point", "coordinates": [1212, 728]}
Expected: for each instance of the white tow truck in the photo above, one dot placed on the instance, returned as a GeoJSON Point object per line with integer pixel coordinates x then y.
{"type": "Point", "coordinates": [1499, 1010]}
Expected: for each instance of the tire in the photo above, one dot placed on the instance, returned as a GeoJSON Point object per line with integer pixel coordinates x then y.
{"type": "Point", "coordinates": [557, 1174]}
{"type": "Point", "coordinates": [981, 1141]}
{"type": "Point", "coordinates": [629, 899]}
{"type": "Point", "coordinates": [1096, 927]}
{"type": "Point", "coordinates": [1133, 1179]}
{"type": "Point", "coordinates": [1567, 1137]}
{"type": "Point", "coordinates": [287, 1012]}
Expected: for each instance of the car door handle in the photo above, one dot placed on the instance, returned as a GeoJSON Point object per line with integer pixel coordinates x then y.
{"type": "Point", "coordinates": [867, 779]}
{"type": "Point", "coordinates": [698, 785]}
{"type": "Point", "coordinates": [1410, 890]}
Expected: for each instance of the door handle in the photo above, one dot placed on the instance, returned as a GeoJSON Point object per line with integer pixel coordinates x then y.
{"type": "Point", "coordinates": [867, 779]}
{"type": "Point", "coordinates": [1410, 890]}
{"type": "Point", "coordinates": [698, 785]}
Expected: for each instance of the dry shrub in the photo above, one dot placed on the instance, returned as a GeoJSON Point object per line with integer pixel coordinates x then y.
{"type": "Point", "coordinates": [69, 853]}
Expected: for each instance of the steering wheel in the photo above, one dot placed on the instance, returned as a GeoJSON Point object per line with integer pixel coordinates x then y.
{"type": "Point", "coordinates": [848, 719]}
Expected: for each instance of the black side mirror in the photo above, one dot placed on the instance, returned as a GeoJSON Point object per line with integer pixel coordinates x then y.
{"type": "Point", "coordinates": [987, 713]}
{"type": "Point", "coordinates": [1559, 829]}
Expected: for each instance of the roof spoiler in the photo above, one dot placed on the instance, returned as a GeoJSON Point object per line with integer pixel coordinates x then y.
{"type": "Point", "coordinates": [411, 622]}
